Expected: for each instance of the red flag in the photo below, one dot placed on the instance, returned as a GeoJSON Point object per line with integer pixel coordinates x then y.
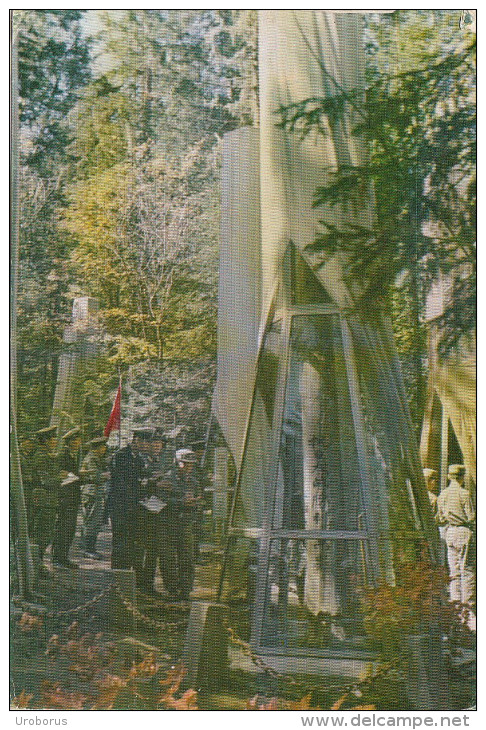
{"type": "Point", "coordinates": [114, 419]}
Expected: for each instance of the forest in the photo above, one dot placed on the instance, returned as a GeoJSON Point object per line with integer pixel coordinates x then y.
{"type": "Point", "coordinates": [118, 123]}
{"type": "Point", "coordinates": [121, 118]}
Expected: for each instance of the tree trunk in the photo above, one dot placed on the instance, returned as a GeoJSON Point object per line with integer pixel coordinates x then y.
{"type": "Point", "coordinates": [24, 555]}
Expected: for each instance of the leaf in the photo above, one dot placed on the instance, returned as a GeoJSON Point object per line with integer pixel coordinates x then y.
{"type": "Point", "coordinates": [187, 701]}
{"type": "Point", "coordinates": [337, 705]}
{"type": "Point", "coordinates": [302, 704]}
{"type": "Point", "coordinates": [29, 622]}
{"type": "Point", "coordinates": [55, 697]}
{"type": "Point", "coordinates": [21, 702]}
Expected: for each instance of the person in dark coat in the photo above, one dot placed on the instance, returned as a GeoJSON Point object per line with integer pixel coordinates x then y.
{"type": "Point", "coordinates": [126, 490]}
{"type": "Point", "coordinates": [94, 477]}
{"type": "Point", "coordinates": [150, 521]}
{"type": "Point", "coordinates": [42, 505]}
{"type": "Point", "coordinates": [69, 498]}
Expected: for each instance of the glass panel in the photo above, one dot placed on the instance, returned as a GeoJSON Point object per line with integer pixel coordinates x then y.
{"type": "Point", "coordinates": [305, 287]}
{"type": "Point", "coordinates": [315, 609]}
{"type": "Point", "coordinates": [239, 580]}
{"type": "Point", "coordinates": [257, 459]}
{"type": "Point", "coordinates": [318, 479]}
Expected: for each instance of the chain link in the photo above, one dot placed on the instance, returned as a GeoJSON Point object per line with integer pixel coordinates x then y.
{"type": "Point", "coordinates": [354, 688]}
{"type": "Point", "coordinates": [146, 619]}
{"type": "Point", "coordinates": [130, 607]}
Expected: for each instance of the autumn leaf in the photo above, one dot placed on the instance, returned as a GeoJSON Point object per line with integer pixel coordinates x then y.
{"type": "Point", "coordinates": [146, 668]}
{"type": "Point", "coordinates": [28, 622]}
{"type": "Point", "coordinates": [302, 704]}
{"type": "Point", "coordinates": [339, 702]}
{"type": "Point", "coordinates": [257, 703]}
{"type": "Point", "coordinates": [55, 697]}
{"type": "Point", "coordinates": [187, 701]}
{"type": "Point", "coordinates": [53, 646]}
{"type": "Point", "coordinates": [73, 630]}
{"type": "Point", "coordinates": [109, 687]}
{"type": "Point", "coordinates": [21, 702]}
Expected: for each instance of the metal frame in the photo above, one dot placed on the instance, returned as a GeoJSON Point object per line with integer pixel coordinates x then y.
{"type": "Point", "coordinates": [370, 532]}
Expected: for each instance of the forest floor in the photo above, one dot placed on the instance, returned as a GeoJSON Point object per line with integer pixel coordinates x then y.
{"type": "Point", "coordinates": [83, 643]}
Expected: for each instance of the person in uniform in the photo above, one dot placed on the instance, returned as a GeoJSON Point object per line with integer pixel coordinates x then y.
{"type": "Point", "coordinates": [126, 489]}
{"type": "Point", "coordinates": [44, 496]}
{"type": "Point", "coordinates": [27, 453]}
{"type": "Point", "coordinates": [69, 498]}
{"type": "Point", "coordinates": [180, 493]}
{"type": "Point", "coordinates": [431, 478]}
{"type": "Point", "coordinates": [432, 483]}
{"type": "Point", "coordinates": [455, 511]}
{"type": "Point", "coordinates": [150, 519]}
{"type": "Point", "coordinates": [94, 477]}
{"type": "Point", "coordinates": [199, 447]}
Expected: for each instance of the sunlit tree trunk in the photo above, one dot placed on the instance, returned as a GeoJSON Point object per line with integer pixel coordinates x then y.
{"type": "Point", "coordinates": [24, 555]}
{"type": "Point", "coordinates": [320, 593]}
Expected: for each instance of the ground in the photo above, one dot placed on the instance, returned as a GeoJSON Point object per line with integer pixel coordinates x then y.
{"type": "Point", "coordinates": [83, 644]}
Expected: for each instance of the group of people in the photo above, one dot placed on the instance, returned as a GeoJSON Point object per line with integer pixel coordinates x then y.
{"type": "Point", "coordinates": [57, 484]}
{"type": "Point", "coordinates": [455, 515]}
{"type": "Point", "coordinates": [154, 503]}
{"type": "Point", "coordinates": [155, 512]}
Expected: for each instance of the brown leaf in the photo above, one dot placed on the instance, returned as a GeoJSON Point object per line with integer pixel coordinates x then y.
{"type": "Point", "coordinates": [146, 668]}
{"type": "Point", "coordinates": [187, 701]}
{"type": "Point", "coordinates": [54, 697]}
{"type": "Point", "coordinates": [302, 704]}
{"type": "Point", "coordinates": [53, 646]}
{"type": "Point", "coordinates": [28, 622]}
{"type": "Point", "coordinates": [109, 687]}
{"type": "Point", "coordinates": [21, 702]}
{"type": "Point", "coordinates": [339, 702]}
{"type": "Point", "coordinates": [73, 630]}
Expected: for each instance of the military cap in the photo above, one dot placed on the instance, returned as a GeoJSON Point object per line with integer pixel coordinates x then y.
{"type": "Point", "coordinates": [186, 456]}
{"type": "Point", "coordinates": [429, 473]}
{"type": "Point", "coordinates": [144, 434]}
{"type": "Point", "coordinates": [159, 434]}
{"type": "Point", "coordinates": [70, 479]}
{"type": "Point", "coordinates": [456, 470]}
{"type": "Point", "coordinates": [46, 433]}
{"type": "Point", "coordinates": [97, 441]}
{"type": "Point", "coordinates": [72, 433]}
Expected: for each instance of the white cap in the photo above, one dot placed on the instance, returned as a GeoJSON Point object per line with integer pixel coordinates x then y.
{"type": "Point", "coordinates": [185, 455]}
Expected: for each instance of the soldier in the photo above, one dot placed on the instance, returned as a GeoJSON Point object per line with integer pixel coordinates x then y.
{"type": "Point", "coordinates": [456, 511]}
{"type": "Point", "coordinates": [45, 490]}
{"type": "Point", "coordinates": [69, 498]}
{"type": "Point", "coordinates": [432, 483]}
{"type": "Point", "coordinates": [198, 447]}
{"type": "Point", "coordinates": [94, 477]}
{"type": "Point", "coordinates": [150, 521]}
{"type": "Point", "coordinates": [125, 492]}
{"type": "Point", "coordinates": [27, 453]}
{"type": "Point", "coordinates": [180, 493]}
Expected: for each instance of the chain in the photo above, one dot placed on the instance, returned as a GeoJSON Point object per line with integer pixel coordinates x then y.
{"type": "Point", "coordinates": [161, 604]}
{"type": "Point", "coordinates": [354, 688]}
{"type": "Point", "coordinates": [82, 606]}
{"type": "Point", "coordinates": [256, 659]}
{"type": "Point", "coordinates": [127, 604]}
{"type": "Point", "coordinates": [146, 619]}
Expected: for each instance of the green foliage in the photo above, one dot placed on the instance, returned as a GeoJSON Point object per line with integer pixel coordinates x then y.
{"type": "Point", "coordinates": [53, 62]}
{"type": "Point", "coordinates": [418, 122]}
